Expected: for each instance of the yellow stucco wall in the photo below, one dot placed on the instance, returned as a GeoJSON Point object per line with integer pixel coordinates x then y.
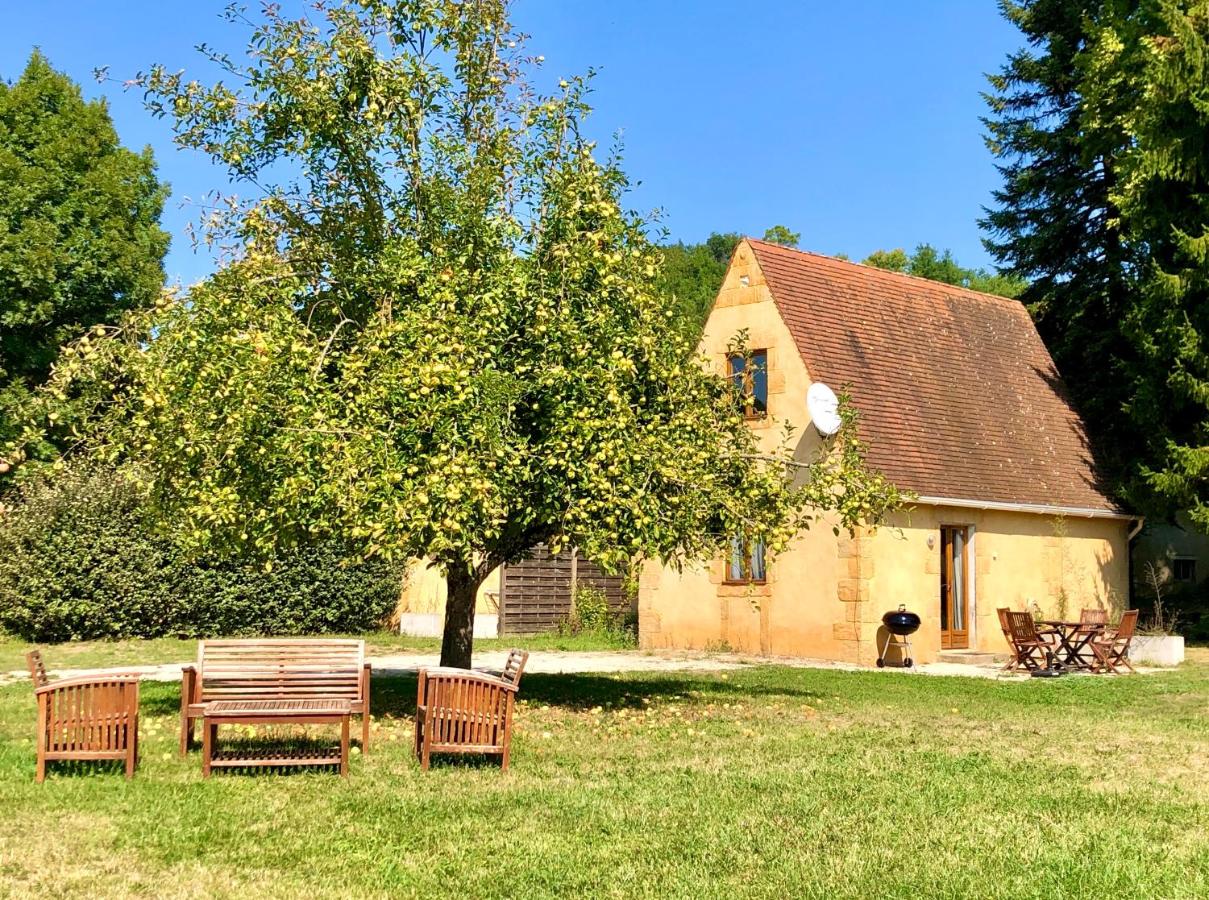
{"type": "Point", "coordinates": [424, 591]}
{"type": "Point", "coordinates": [1022, 561]}
{"type": "Point", "coordinates": [824, 595]}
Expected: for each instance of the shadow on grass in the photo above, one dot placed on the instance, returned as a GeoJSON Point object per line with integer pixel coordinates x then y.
{"type": "Point", "coordinates": [463, 761]}
{"type": "Point", "coordinates": [395, 695]}
{"type": "Point", "coordinates": [84, 768]}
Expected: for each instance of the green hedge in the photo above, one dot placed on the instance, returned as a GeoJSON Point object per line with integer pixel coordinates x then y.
{"type": "Point", "coordinates": [78, 560]}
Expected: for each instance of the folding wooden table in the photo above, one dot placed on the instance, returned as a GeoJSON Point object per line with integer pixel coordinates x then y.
{"type": "Point", "coordinates": [1072, 651]}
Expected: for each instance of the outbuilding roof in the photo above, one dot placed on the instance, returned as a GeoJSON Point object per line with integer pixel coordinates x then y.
{"type": "Point", "coordinates": [958, 397]}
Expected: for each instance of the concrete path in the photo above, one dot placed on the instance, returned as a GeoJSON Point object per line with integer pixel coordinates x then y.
{"type": "Point", "coordinates": [559, 662]}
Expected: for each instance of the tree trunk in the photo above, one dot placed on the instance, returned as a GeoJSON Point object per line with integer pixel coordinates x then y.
{"type": "Point", "coordinates": [462, 587]}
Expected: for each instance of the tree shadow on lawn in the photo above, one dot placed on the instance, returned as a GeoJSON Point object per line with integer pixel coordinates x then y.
{"type": "Point", "coordinates": [395, 695]}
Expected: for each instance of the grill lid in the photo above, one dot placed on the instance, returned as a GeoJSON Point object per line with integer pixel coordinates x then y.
{"type": "Point", "coordinates": [901, 621]}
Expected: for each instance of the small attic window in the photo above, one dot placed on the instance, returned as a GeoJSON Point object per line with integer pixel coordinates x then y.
{"type": "Point", "coordinates": [744, 281]}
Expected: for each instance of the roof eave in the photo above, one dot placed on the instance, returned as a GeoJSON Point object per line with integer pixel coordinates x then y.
{"type": "Point", "coordinates": [1039, 509]}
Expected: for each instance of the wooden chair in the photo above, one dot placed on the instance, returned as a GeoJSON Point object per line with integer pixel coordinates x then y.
{"type": "Point", "coordinates": [1013, 662]}
{"type": "Point", "coordinates": [91, 717]}
{"type": "Point", "coordinates": [286, 670]}
{"type": "Point", "coordinates": [1090, 616]}
{"type": "Point", "coordinates": [1091, 623]}
{"type": "Point", "coordinates": [1112, 648]}
{"type": "Point", "coordinates": [37, 668]}
{"type": "Point", "coordinates": [1033, 651]}
{"type": "Point", "coordinates": [463, 711]}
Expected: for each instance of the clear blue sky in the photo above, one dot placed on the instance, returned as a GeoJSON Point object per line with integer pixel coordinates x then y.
{"type": "Point", "coordinates": [855, 123]}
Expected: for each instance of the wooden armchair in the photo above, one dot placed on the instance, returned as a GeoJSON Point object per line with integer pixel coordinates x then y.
{"type": "Point", "coordinates": [1033, 651]}
{"type": "Point", "coordinates": [86, 718]}
{"type": "Point", "coordinates": [1112, 648]}
{"type": "Point", "coordinates": [463, 711]}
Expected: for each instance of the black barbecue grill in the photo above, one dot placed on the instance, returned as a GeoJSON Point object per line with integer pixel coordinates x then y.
{"type": "Point", "coordinates": [900, 625]}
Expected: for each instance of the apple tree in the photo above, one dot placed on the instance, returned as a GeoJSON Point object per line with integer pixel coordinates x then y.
{"type": "Point", "coordinates": [438, 331]}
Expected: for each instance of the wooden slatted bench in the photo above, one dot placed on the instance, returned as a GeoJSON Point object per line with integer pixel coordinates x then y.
{"type": "Point", "coordinates": [281, 672]}
{"type": "Point", "coordinates": [269, 712]}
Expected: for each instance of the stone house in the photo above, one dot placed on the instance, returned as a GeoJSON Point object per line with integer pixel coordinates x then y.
{"type": "Point", "coordinates": [960, 403]}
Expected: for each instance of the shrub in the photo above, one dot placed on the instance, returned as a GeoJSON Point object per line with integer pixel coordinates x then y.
{"type": "Point", "coordinates": [590, 609]}
{"type": "Point", "coordinates": [1186, 611]}
{"type": "Point", "coordinates": [590, 615]}
{"type": "Point", "coordinates": [79, 560]}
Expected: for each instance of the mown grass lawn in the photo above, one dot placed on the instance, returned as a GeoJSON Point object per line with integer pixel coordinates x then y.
{"type": "Point", "coordinates": [99, 654]}
{"type": "Point", "coordinates": [767, 782]}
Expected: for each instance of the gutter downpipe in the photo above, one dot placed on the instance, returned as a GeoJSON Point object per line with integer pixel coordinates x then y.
{"type": "Point", "coordinates": [1133, 532]}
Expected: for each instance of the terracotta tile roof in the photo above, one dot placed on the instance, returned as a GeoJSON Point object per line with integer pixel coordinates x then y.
{"type": "Point", "coordinates": [957, 394]}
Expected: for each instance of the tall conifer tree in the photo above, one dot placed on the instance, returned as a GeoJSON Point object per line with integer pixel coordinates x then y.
{"type": "Point", "coordinates": [1054, 221]}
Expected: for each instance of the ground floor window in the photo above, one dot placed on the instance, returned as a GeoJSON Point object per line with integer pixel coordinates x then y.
{"type": "Point", "coordinates": [746, 565]}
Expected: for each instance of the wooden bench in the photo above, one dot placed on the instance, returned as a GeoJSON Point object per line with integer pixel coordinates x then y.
{"type": "Point", "coordinates": [268, 712]}
{"type": "Point", "coordinates": [463, 711]}
{"type": "Point", "coordinates": [276, 671]}
{"type": "Point", "coordinates": [91, 717]}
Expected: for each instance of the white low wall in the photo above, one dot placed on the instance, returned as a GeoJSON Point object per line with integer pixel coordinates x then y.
{"type": "Point", "coordinates": [486, 625]}
{"type": "Point", "coordinates": [1156, 650]}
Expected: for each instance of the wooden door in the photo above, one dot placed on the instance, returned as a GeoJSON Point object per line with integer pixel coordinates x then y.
{"type": "Point", "coordinates": [954, 588]}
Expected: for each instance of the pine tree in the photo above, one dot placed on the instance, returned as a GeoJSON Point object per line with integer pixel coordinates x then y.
{"type": "Point", "coordinates": [1161, 59]}
{"type": "Point", "coordinates": [1103, 132]}
{"type": "Point", "coordinates": [1055, 222]}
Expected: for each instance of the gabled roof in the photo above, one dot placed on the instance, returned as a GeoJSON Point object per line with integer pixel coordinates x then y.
{"type": "Point", "coordinates": [958, 397]}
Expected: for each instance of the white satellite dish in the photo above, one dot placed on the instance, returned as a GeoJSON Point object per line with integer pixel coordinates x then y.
{"type": "Point", "coordinates": [824, 408]}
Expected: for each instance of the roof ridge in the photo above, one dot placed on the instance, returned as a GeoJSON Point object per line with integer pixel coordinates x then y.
{"type": "Point", "coordinates": [890, 273]}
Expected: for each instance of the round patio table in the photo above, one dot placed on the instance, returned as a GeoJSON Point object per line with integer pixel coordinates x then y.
{"type": "Point", "coordinates": [1073, 638]}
